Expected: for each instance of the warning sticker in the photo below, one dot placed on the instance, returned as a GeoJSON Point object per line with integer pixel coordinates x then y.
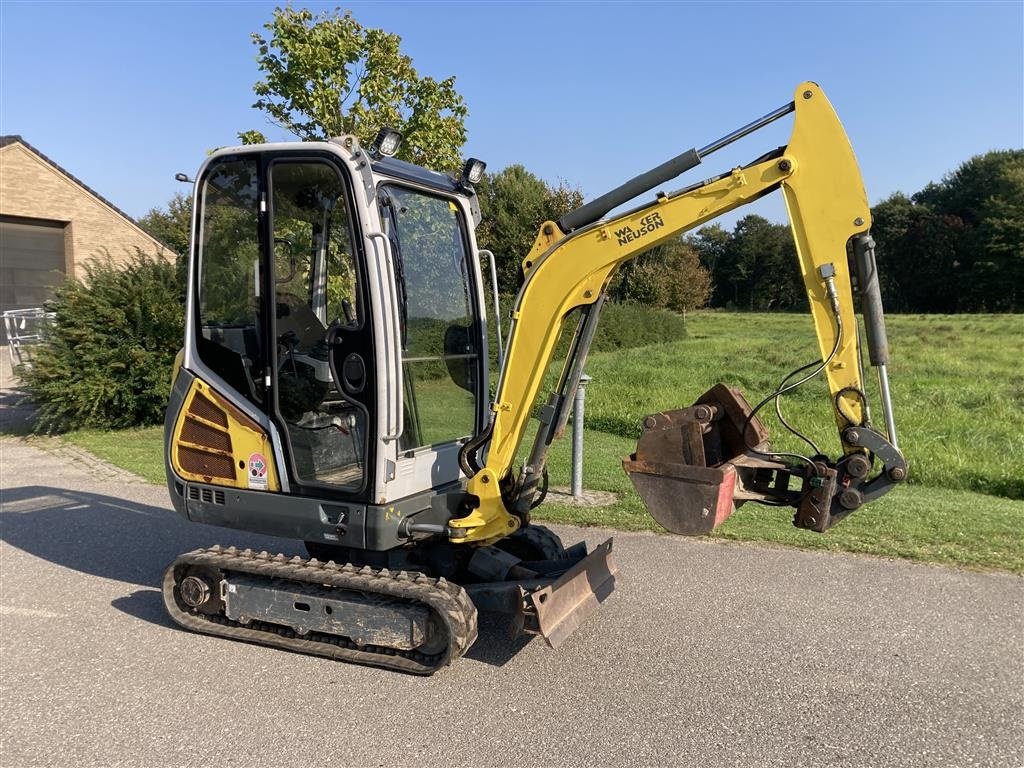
{"type": "Point", "coordinates": [257, 472]}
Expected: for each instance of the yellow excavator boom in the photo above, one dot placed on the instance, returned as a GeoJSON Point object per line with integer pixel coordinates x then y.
{"type": "Point", "coordinates": [570, 268]}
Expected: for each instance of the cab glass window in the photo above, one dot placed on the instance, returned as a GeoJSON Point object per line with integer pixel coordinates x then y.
{"type": "Point", "coordinates": [228, 277]}
{"type": "Point", "coordinates": [439, 327]}
{"type": "Point", "coordinates": [315, 287]}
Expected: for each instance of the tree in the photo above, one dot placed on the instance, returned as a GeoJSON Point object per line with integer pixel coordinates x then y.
{"type": "Point", "coordinates": [757, 268]}
{"type": "Point", "coordinates": [171, 225]}
{"type": "Point", "coordinates": [710, 243]}
{"type": "Point", "coordinates": [668, 276]}
{"type": "Point", "coordinates": [514, 203]}
{"type": "Point", "coordinates": [957, 245]}
{"type": "Point", "coordinates": [327, 75]}
{"type": "Point", "coordinates": [985, 196]}
{"type": "Point", "coordinates": [688, 282]}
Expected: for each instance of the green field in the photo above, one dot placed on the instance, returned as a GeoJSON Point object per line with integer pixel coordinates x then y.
{"type": "Point", "coordinates": [959, 400]}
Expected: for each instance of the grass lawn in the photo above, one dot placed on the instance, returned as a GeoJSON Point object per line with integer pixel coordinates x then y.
{"type": "Point", "coordinates": [138, 450]}
{"type": "Point", "coordinates": [915, 522]}
{"type": "Point", "coordinates": [959, 400]}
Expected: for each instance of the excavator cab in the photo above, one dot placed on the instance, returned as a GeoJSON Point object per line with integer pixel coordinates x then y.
{"type": "Point", "coordinates": [346, 331]}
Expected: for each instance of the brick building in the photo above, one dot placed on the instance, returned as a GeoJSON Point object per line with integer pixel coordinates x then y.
{"type": "Point", "coordinates": [52, 223]}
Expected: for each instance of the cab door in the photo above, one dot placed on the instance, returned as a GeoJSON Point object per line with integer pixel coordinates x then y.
{"type": "Point", "coordinates": [325, 389]}
{"type": "Point", "coordinates": [444, 377]}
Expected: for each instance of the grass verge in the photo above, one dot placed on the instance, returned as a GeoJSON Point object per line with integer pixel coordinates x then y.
{"type": "Point", "coordinates": [140, 451]}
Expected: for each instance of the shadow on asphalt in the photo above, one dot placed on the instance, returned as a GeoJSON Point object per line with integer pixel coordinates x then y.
{"type": "Point", "coordinates": [145, 604]}
{"type": "Point", "coordinates": [16, 413]}
{"type": "Point", "coordinates": [130, 542]}
{"type": "Point", "coordinates": [110, 537]}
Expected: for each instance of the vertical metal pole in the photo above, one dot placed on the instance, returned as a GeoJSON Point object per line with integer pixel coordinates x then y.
{"type": "Point", "coordinates": [578, 407]}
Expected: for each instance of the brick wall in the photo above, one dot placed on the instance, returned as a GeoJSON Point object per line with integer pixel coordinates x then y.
{"type": "Point", "coordinates": [32, 188]}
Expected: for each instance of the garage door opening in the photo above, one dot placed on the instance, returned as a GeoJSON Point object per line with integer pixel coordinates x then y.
{"type": "Point", "coordinates": [32, 261]}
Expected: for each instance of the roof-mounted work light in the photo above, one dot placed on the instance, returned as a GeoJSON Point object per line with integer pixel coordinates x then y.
{"type": "Point", "coordinates": [473, 171]}
{"type": "Point", "coordinates": [387, 142]}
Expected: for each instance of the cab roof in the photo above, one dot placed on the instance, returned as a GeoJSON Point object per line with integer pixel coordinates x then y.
{"type": "Point", "coordinates": [399, 169]}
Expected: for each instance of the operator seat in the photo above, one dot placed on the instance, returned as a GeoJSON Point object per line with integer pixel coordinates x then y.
{"type": "Point", "coordinates": [296, 316]}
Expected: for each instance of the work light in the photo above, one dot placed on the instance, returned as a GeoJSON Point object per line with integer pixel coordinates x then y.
{"type": "Point", "coordinates": [386, 143]}
{"type": "Point", "coordinates": [473, 171]}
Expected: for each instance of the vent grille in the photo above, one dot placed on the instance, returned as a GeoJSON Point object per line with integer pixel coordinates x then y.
{"type": "Point", "coordinates": [198, 433]}
{"type": "Point", "coordinates": [205, 464]}
{"type": "Point", "coordinates": [207, 495]}
{"type": "Point", "coordinates": [205, 408]}
{"type": "Point", "coordinates": [204, 448]}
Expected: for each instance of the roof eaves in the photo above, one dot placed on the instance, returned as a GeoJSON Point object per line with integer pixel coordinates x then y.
{"type": "Point", "coordinates": [17, 139]}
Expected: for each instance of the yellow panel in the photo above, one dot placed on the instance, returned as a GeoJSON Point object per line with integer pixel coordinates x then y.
{"type": "Point", "coordinates": [827, 206]}
{"type": "Point", "coordinates": [216, 443]}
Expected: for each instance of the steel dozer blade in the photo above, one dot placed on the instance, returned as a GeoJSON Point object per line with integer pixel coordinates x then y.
{"type": "Point", "coordinates": [554, 597]}
{"type": "Point", "coordinates": [692, 467]}
{"type": "Point", "coordinates": [563, 606]}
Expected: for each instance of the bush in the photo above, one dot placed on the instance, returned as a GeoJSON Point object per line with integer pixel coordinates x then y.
{"type": "Point", "coordinates": [633, 325]}
{"type": "Point", "coordinates": [106, 360]}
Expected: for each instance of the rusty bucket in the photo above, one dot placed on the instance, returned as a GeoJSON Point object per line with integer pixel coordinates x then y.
{"type": "Point", "coordinates": [686, 463]}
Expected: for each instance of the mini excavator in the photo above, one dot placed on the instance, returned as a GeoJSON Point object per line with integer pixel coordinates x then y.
{"type": "Point", "coordinates": [334, 388]}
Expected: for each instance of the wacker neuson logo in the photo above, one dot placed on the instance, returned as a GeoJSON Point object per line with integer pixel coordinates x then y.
{"type": "Point", "coordinates": [648, 224]}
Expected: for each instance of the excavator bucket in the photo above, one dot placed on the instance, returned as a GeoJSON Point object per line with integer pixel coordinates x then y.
{"type": "Point", "coordinates": [689, 463]}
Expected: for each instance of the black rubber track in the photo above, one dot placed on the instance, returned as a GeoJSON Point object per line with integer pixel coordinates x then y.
{"type": "Point", "coordinates": [533, 542]}
{"type": "Point", "coordinates": [447, 601]}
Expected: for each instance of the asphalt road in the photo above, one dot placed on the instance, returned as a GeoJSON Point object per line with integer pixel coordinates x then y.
{"type": "Point", "coordinates": [708, 654]}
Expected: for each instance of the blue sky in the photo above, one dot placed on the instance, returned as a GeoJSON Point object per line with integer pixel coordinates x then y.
{"type": "Point", "coordinates": [126, 94]}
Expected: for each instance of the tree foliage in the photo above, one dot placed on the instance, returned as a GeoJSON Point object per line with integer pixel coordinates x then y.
{"type": "Point", "coordinates": [514, 203]}
{"type": "Point", "coordinates": [957, 245]}
{"type": "Point", "coordinates": [171, 225]}
{"type": "Point", "coordinates": [325, 75]}
{"type": "Point", "coordinates": [753, 267]}
{"type": "Point", "coordinates": [669, 276]}
{"type": "Point", "coordinates": [106, 360]}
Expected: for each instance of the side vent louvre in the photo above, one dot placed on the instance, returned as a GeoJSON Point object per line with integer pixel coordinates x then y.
{"type": "Point", "coordinates": [204, 444]}
{"type": "Point", "coordinates": [206, 495]}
